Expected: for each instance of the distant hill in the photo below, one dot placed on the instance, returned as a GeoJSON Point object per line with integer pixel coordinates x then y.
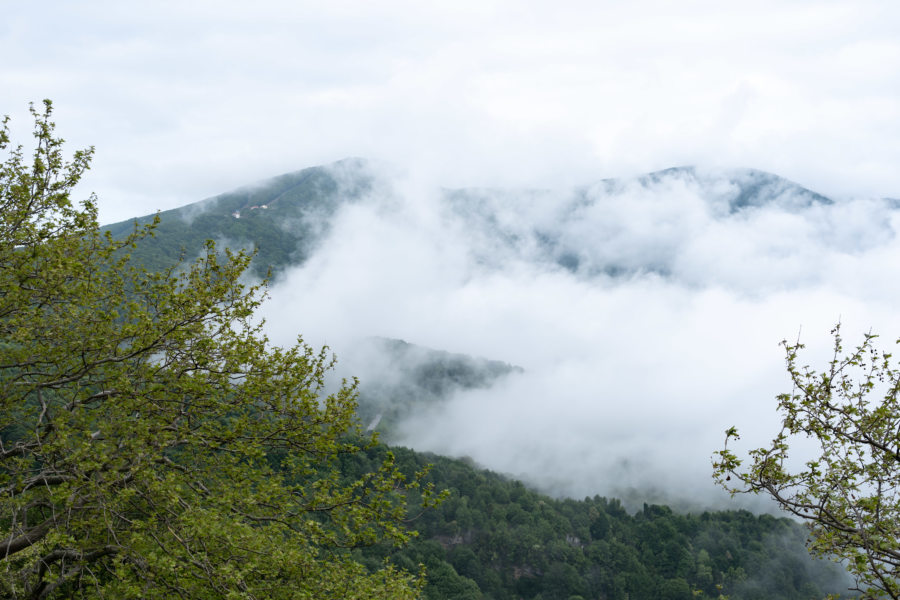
{"type": "Point", "coordinates": [412, 377]}
{"type": "Point", "coordinates": [612, 228]}
{"type": "Point", "coordinates": [749, 187]}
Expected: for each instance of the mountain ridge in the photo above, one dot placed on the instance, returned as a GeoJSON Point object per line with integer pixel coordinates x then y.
{"type": "Point", "coordinates": [283, 218]}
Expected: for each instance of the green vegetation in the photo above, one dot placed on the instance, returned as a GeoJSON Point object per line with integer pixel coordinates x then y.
{"type": "Point", "coordinates": [495, 538]}
{"type": "Point", "coordinates": [279, 221]}
{"type": "Point", "coordinates": [849, 490]}
{"type": "Point", "coordinates": [152, 443]}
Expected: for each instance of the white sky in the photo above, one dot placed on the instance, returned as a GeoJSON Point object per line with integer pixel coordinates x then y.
{"type": "Point", "coordinates": [184, 100]}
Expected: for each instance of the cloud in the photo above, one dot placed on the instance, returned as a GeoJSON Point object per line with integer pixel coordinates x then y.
{"type": "Point", "coordinates": [185, 101]}
{"type": "Point", "coordinates": [636, 361]}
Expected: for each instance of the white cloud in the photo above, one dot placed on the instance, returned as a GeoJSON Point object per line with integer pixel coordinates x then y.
{"type": "Point", "coordinates": [629, 380]}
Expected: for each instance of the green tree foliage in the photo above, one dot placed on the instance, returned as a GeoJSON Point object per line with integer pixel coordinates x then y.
{"type": "Point", "coordinates": [515, 544]}
{"type": "Point", "coordinates": [153, 444]}
{"type": "Point", "coordinates": [848, 492]}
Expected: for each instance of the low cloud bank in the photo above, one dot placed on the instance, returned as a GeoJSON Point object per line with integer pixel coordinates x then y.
{"type": "Point", "coordinates": [646, 314]}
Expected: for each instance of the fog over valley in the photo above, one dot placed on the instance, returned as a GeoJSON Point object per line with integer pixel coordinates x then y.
{"type": "Point", "coordinates": [645, 313]}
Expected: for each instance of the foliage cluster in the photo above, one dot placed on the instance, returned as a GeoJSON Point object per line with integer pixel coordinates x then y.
{"type": "Point", "coordinates": [848, 488]}
{"type": "Point", "coordinates": [153, 444]}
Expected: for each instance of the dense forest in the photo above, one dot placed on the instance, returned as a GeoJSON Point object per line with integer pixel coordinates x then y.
{"type": "Point", "coordinates": [495, 538]}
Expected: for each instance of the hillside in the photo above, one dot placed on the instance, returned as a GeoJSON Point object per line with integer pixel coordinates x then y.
{"type": "Point", "coordinates": [495, 538]}
{"type": "Point", "coordinates": [413, 377]}
{"type": "Point", "coordinates": [282, 218]}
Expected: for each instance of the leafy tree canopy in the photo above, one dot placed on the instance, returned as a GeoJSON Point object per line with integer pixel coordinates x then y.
{"type": "Point", "coordinates": [153, 444]}
{"type": "Point", "coordinates": [849, 492]}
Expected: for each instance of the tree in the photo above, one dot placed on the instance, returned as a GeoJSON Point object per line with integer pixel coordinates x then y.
{"type": "Point", "coordinates": [153, 443]}
{"type": "Point", "coordinates": [849, 492]}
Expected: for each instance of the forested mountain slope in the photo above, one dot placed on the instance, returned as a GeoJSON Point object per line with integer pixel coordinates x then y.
{"type": "Point", "coordinates": [284, 218]}
{"type": "Point", "coordinates": [414, 377]}
{"type": "Point", "coordinates": [495, 538]}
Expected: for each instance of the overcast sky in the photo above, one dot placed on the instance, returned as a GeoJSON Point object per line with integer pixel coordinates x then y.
{"type": "Point", "coordinates": [184, 100]}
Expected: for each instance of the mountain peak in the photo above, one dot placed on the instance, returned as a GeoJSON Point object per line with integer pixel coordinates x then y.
{"type": "Point", "coordinates": [748, 187]}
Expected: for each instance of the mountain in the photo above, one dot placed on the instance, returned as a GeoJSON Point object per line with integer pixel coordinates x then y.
{"type": "Point", "coordinates": [282, 218]}
{"type": "Point", "coordinates": [621, 228]}
{"type": "Point", "coordinates": [749, 187]}
{"type": "Point", "coordinates": [635, 306]}
{"type": "Point", "coordinates": [286, 217]}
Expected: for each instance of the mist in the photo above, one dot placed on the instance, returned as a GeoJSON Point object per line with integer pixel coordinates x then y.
{"type": "Point", "coordinates": [646, 314]}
